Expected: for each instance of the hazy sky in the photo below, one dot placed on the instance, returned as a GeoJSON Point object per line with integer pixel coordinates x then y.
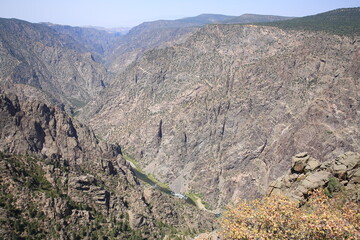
{"type": "Point", "coordinates": [118, 13]}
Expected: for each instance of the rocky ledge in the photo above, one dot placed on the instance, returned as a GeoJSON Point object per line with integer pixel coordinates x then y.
{"type": "Point", "coordinates": [307, 173]}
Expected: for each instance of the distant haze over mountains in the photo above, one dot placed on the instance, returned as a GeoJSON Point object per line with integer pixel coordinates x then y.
{"type": "Point", "coordinates": [122, 30]}
{"type": "Point", "coordinates": [199, 20]}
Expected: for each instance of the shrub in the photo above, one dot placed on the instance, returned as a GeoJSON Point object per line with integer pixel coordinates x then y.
{"type": "Point", "coordinates": [277, 217]}
{"type": "Point", "coordinates": [332, 186]}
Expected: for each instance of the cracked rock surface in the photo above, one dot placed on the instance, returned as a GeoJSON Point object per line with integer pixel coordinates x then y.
{"type": "Point", "coordinates": [222, 113]}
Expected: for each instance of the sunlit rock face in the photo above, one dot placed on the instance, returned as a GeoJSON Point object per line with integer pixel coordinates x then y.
{"type": "Point", "coordinates": [223, 112]}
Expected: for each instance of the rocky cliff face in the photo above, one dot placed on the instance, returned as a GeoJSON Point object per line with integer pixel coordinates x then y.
{"type": "Point", "coordinates": [150, 35]}
{"type": "Point", "coordinates": [33, 127]}
{"type": "Point", "coordinates": [222, 113]}
{"type": "Point", "coordinates": [99, 42]}
{"type": "Point", "coordinates": [57, 66]}
{"type": "Point", "coordinates": [60, 182]}
{"type": "Point", "coordinates": [142, 38]}
{"type": "Point", "coordinates": [162, 33]}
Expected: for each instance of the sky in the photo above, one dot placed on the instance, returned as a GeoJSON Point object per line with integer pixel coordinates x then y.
{"type": "Point", "coordinates": [119, 13]}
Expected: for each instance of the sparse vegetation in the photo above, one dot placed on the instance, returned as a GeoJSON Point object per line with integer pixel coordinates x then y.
{"type": "Point", "coordinates": [148, 178]}
{"type": "Point", "coordinates": [277, 217]}
{"type": "Point", "coordinates": [332, 186]}
{"type": "Point", "coordinates": [133, 161]}
{"type": "Point", "coordinates": [195, 197]}
{"type": "Point", "coordinates": [340, 22]}
{"type": "Point", "coordinates": [27, 222]}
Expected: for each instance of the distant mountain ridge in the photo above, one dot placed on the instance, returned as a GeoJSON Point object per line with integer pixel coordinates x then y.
{"type": "Point", "coordinates": [150, 35]}
{"type": "Point", "coordinates": [199, 20]}
{"type": "Point", "coordinates": [116, 30]}
{"type": "Point", "coordinates": [344, 21]}
{"type": "Point", "coordinates": [255, 18]}
{"type": "Point", "coordinates": [204, 19]}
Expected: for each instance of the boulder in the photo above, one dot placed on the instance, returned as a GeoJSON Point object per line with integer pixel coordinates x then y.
{"type": "Point", "coordinates": [82, 183]}
{"type": "Point", "coordinates": [312, 164]}
{"type": "Point", "coordinates": [340, 171]}
{"type": "Point", "coordinates": [276, 184]}
{"type": "Point", "coordinates": [302, 155]}
{"type": "Point", "coordinates": [355, 177]}
{"type": "Point", "coordinates": [298, 162]}
{"type": "Point", "coordinates": [136, 220]}
{"type": "Point", "coordinates": [349, 159]}
{"type": "Point", "coordinates": [315, 180]}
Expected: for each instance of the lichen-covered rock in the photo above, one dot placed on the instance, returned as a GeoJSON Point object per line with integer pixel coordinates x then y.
{"type": "Point", "coordinates": [355, 176]}
{"type": "Point", "coordinates": [340, 170]}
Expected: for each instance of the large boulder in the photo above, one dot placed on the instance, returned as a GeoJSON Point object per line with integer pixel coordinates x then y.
{"type": "Point", "coordinates": [315, 180]}
{"type": "Point", "coordinates": [302, 162]}
{"type": "Point", "coordinates": [298, 162]}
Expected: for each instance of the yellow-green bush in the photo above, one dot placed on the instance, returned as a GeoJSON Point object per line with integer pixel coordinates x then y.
{"type": "Point", "coordinates": [277, 217]}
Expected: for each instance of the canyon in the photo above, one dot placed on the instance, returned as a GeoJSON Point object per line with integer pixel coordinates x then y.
{"type": "Point", "coordinates": [211, 106]}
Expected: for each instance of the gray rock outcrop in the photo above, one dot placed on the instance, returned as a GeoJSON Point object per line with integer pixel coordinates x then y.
{"type": "Point", "coordinates": [343, 171]}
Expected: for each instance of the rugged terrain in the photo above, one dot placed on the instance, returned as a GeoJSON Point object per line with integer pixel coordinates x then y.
{"type": "Point", "coordinates": [221, 113]}
{"type": "Point", "coordinates": [162, 33]}
{"type": "Point", "coordinates": [60, 182]}
{"type": "Point", "coordinates": [38, 62]}
{"type": "Point", "coordinates": [309, 196]}
{"type": "Point", "coordinates": [336, 176]}
{"type": "Point", "coordinates": [213, 109]}
{"type": "Point", "coordinates": [68, 65]}
{"type": "Point", "coordinates": [97, 41]}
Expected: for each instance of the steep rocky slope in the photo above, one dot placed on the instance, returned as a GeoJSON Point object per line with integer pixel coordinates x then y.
{"type": "Point", "coordinates": [58, 181]}
{"type": "Point", "coordinates": [97, 41]}
{"type": "Point", "coordinates": [58, 67]}
{"type": "Point", "coordinates": [221, 113]}
{"type": "Point", "coordinates": [141, 39]}
{"type": "Point", "coordinates": [66, 65]}
{"type": "Point", "coordinates": [162, 33]}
